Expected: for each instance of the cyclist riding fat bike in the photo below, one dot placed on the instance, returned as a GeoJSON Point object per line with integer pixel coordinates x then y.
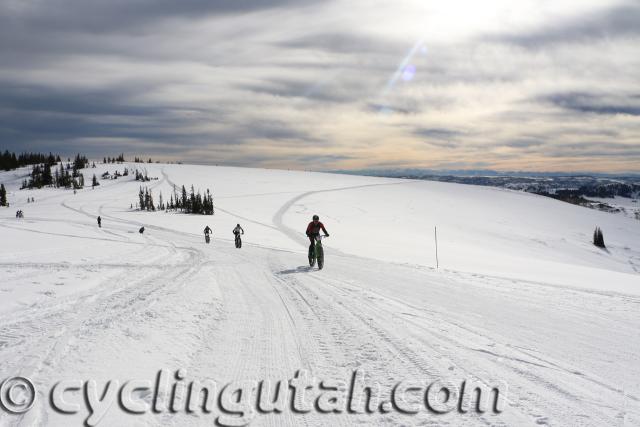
{"type": "Point", "coordinates": [313, 230]}
{"type": "Point", "coordinates": [238, 230]}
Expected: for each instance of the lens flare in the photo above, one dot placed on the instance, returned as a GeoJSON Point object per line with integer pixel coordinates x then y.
{"type": "Point", "coordinates": [408, 72]}
{"type": "Point", "coordinates": [405, 71]}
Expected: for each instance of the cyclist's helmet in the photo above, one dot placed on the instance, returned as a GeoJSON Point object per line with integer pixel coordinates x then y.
{"type": "Point", "coordinates": [237, 225]}
{"type": "Point", "coordinates": [316, 218]}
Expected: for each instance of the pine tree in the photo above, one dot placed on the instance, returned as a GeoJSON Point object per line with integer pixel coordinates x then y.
{"type": "Point", "coordinates": [3, 195]}
{"type": "Point", "coordinates": [141, 197]}
{"type": "Point", "coordinates": [47, 178]}
{"type": "Point", "coordinates": [184, 199]}
{"type": "Point", "coordinates": [150, 205]}
{"type": "Point", "coordinates": [598, 238]}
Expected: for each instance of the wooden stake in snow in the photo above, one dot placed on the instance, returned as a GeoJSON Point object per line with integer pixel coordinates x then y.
{"type": "Point", "coordinates": [435, 234]}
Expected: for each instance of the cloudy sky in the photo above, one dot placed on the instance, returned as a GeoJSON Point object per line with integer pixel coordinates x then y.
{"type": "Point", "coordinates": [458, 84]}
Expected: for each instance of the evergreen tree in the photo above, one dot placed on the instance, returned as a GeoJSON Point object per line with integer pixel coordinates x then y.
{"type": "Point", "coordinates": [598, 238]}
{"type": "Point", "coordinates": [3, 195]}
{"type": "Point", "coordinates": [184, 199]}
{"type": "Point", "coordinates": [150, 205]}
{"type": "Point", "coordinates": [141, 199]}
{"type": "Point", "coordinates": [9, 161]}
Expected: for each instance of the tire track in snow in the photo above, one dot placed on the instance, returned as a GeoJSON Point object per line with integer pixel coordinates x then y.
{"type": "Point", "coordinates": [297, 236]}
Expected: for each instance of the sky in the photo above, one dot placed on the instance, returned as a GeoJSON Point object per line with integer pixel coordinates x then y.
{"type": "Point", "coordinates": [540, 85]}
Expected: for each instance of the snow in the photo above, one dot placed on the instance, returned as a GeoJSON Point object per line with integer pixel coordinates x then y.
{"type": "Point", "coordinates": [520, 295]}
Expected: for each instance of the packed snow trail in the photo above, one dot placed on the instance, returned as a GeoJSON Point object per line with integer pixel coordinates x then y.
{"type": "Point", "coordinates": [118, 305]}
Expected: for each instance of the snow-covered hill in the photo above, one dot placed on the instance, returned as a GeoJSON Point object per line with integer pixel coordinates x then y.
{"type": "Point", "coordinates": [520, 295]}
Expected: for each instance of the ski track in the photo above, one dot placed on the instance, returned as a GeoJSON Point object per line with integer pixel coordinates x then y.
{"type": "Point", "coordinates": [170, 301]}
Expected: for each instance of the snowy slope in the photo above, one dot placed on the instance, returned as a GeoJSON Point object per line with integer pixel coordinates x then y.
{"type": "Point", "coordinates": [520, 296]}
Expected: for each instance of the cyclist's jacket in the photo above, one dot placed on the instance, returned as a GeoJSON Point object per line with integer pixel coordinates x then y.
{"type": "Point", "coordinates": [313, 229]}
{"type": "Point", "coordinates": [208, 230]}
{"type": "Point", "coordinates": [237, 230]}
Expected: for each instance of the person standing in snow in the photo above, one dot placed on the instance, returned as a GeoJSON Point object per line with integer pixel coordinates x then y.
{"type": "Point", "coordinates": [99, 222]}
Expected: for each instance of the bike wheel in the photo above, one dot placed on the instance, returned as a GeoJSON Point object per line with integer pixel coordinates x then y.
{"type": "Point", "coordinates": [320, 252]}
{"type": "Point", "coordinates": [312, 258]}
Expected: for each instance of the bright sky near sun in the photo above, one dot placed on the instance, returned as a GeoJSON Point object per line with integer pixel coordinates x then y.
{"type": "Point", "coordinates": [458, 84]}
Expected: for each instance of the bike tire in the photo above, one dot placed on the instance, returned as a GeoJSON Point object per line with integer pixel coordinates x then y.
{"type": "Point", "coordinates": [312, 258]}
{"type": "Point", "coordinates": [320, 257]}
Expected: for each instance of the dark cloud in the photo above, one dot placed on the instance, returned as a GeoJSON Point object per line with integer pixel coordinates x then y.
{"type": "Point", "coordinates": [613, 22]}
{"type": "Point", "coordinates": [333, 91]}
{"type": "Point", "coordinates": [44, 113]}
{"type": "Point", "coordinates": [445, 144]}
{"type": "Point", "coordinates": [438, 133]}
{"type": "Point", "coordinates": [344, 42]}
{"type": "Point", "coordinates": [389, 109]}
{"type": "Point", "coordinates": [585, 102]}
{"type": "Point", "coordinates": [38, 116]}
{"type": "Point", "coordinates": [525, 142]}
{"type": "Point", "coordinates": [106, 16]}
{"type": "Point", "coordinates": [440, 137]}
{"type": "Point", "coordinates": [103, 101]}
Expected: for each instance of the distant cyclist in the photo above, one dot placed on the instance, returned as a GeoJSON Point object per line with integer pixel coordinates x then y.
{"type": "Point", "coordinates": [313, 230]}
{"type": "Point", "coordinates": [237, 231]}
{"type": "Point", "coordinates": [207, 231]}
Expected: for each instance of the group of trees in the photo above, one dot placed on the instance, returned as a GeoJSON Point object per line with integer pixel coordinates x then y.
{"type": "Point", "coordinates": [3, 195]}
{"type": "Point", "coordinates": [146, 200]}
{"type": "Point", "coordinates": [141, 160]}
{"type": "Point", "coordinates": [142, 176]}
{"type": "Point", "coordinates": [193, 203]}
{"type": "Point", "coordinates": [610, 190]}
{"type": "Point", "coordinates": [48, 175]}
{"type": "Point", "coordinates": [598, 238]}
{"type": "Point", "coordinates": [119, 159]}
{"type": "Point", "coordinates": [9, 161]}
